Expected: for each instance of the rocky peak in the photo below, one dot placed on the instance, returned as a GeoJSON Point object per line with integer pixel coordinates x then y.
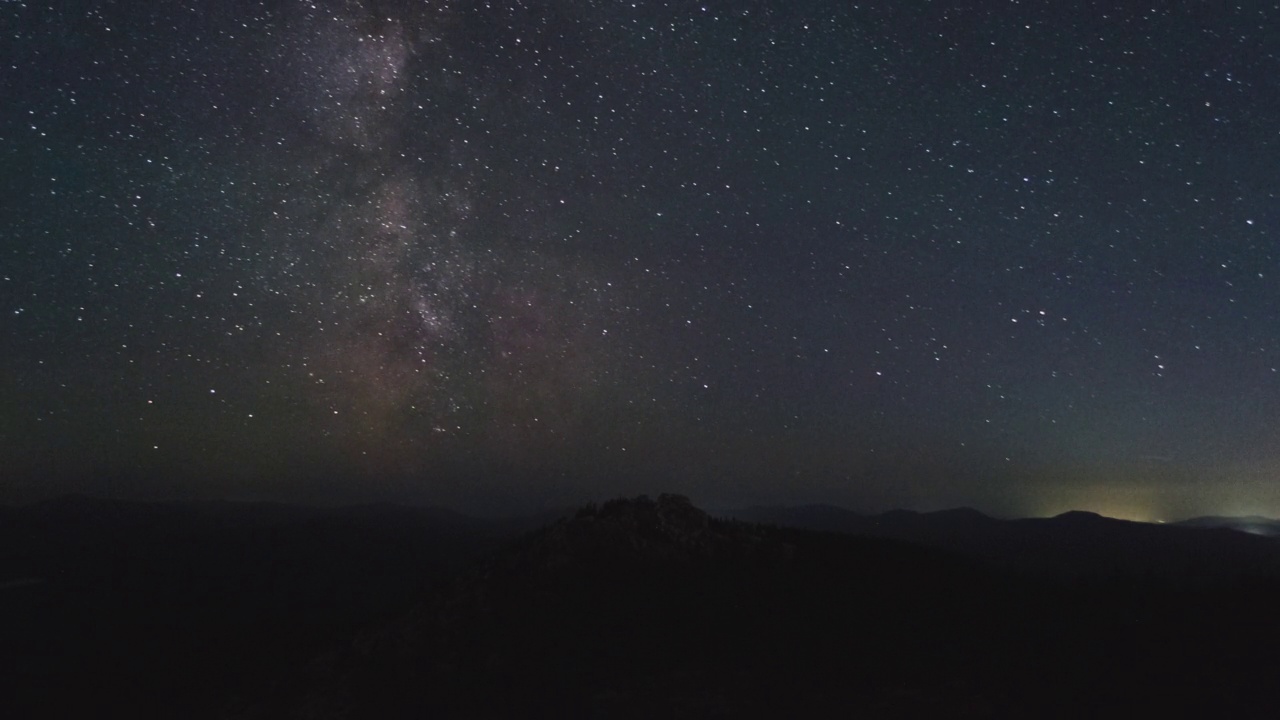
{"type": "Point", "coordinates": [669, 514]}
{"type": "Point", "coordinates": [637, 531]}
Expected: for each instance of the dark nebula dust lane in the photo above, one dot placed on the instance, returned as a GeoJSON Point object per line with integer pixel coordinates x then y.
{"type": "Point", "coordinates": [510, 254]}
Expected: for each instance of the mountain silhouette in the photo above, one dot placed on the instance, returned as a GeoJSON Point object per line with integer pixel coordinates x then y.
{"type": "Point", "coordinates": [1075, 545]}
{"type": "Point", "coordinates": [644, 608]}
{"type": "Point", "coordinates": [1252, 524]}
{"type": "Point", "coordinates": [652, 608]}
{"type": "Point", "coordinates": [640, 607]}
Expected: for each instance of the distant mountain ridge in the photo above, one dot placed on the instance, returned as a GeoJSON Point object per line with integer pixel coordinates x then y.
{"type": "Point", "coordinates": [1252, 524]}
{"type": "Point", "coordinates": [1072, 545]}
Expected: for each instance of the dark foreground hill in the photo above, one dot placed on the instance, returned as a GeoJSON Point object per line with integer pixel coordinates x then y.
{"type": "Point", "coordinates": [637, 608]}
{"type": "Point", "coordinates": [644, 608]}
{"type": "Point", "coordinates": [128, 609]}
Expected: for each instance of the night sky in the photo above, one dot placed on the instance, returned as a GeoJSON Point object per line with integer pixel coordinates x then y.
{"type": "Point", "coordinates": [1021, 256]}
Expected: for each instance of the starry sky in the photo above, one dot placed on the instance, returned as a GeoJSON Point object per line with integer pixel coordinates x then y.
{"type": "Point", "coordinates": [500, 255]}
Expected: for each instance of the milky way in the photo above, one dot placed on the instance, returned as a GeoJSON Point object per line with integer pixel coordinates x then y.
{"type": "Point", "coordinates": [431, 303]}
{"type": "Point", "coordinates": [503, 253]}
